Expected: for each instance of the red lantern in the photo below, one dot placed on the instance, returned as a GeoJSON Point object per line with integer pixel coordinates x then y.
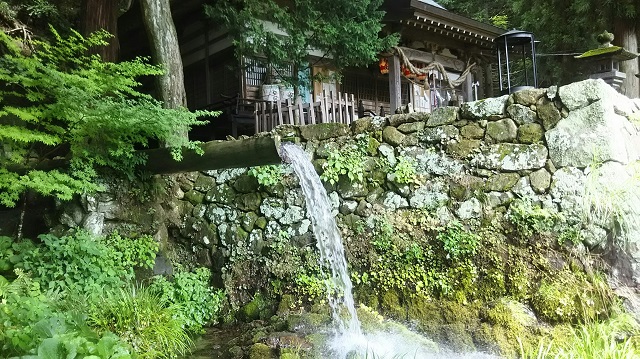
{"type": "Point", "coordinates": [384, 65]}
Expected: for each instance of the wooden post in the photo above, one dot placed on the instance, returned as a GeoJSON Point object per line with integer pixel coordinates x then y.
{"type": "Point", "coordinates": [280, 113]}
{"type": "Point", "coordinates": [340, 119]}
{"type": "Point", "coordinates": [290, 110]}
{"type": "Point", "coordinates": [312, 113]}
{"type": "Point", "coordinates": [353, 108]}
{"type": "Point", "coordinates": [333, 108]}
{"type": "Point", "coordinates": [395, 88]}
{"type": "Point", "coordinates": [257, 122]}
{"type": "Point", "coordinates": [301, 111]}
{"type": "Point", "coordinates": [264, 117]}
{"type": "Point", "coordinates": [323, 109]}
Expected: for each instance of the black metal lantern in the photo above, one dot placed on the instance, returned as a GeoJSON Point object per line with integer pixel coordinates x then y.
{"type": "Point", "coordinates": [516, 61]}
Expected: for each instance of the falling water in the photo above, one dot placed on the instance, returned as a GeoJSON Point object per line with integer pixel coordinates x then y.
{"type": "Point", "coordinates": [339, 288]}
{"type": "Point", "coordinates": [349, 339]}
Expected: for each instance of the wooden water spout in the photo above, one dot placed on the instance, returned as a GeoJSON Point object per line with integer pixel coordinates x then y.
{"type": "Point", "coordinates": [254, 151]}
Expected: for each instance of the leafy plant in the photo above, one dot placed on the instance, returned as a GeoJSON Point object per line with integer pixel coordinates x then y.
{"type": "Point", "coordinates": [405, 171]}
{"type": "Point", "coordinates": [86, 264]}
{"type": "Point", "coordinates": [144, 319]}
{"type": "Point", "coordinates": [458, 243]}
{"type": "Point", "coordinates": [529, 219]}
{"type": "Point", "coordinates": [196, 303]}
{"type": "Point", "coordinates": [267, 176]}
{"type": "Point", "coordinates": [11, 252]}
{"type": "Point", "coordinates": [65, 114]}
{"type": "Point", "coordinates": [348, 160]}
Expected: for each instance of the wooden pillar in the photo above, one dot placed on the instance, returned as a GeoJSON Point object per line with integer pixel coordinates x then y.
{"type": "Point", "coordinates": [394, 84]}
{"type": "Point", "coordinates": [488, 81]}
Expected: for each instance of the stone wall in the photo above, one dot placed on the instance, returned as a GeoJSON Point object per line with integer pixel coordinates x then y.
{"type": "Point", "coordinates": [572, 149]}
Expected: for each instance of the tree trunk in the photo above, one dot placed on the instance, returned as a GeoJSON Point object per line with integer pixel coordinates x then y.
{"type": "Point", "coordinates": [101, 15]}
{"type": "Point", "coordinates": [626, 36]}
{"type": "Point", "coordinates": [165, 52]}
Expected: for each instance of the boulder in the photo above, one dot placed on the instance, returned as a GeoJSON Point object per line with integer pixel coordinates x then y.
{"type": "Point", "coordinates": [548, 113]}
{"type": "Point", "coordinates": [511, 157]}
{"type": "Point", "coordinates": [440, 134]}
{"type": "Point", "coordinates": [463, 147]}
{"type": "Point", "coordinates": [594, 133]}
{"type": "Point", "coordinates": [540, 180]}
{"type": "Point", "coordinates": [469, 209]}
{"type": "Point", "coordinates": [472, 131]}
{"type": "Point", "coordinates": [521, 114]}
{"type": "Point", "coordinates": [501, 131]}
{"type": "Point", "coordinates": [482, 109]}
{"type": "Point", "coordinates": [443, 116]}
{"type": "Point", "coordinates": [392, 136]}
{"type": "Point", "coordinates": [583, 93]}
{"type": "Point", "coordinates": [411, 127]}
{"type": "Point", "coordinates": [530, 133]}
{"type": "Point", "coordinates": [528, 97]}
{"type": "Point", "coordinates": [323, 131]}
{"type": "Point", "coordinates": [501, 182]}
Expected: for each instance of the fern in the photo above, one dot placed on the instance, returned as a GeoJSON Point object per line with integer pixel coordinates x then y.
{"type": "Point", "coordinates": [64, 102]}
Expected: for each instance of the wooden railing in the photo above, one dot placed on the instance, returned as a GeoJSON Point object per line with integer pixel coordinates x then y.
{"type": "Point", "coordinates": [269, 114]}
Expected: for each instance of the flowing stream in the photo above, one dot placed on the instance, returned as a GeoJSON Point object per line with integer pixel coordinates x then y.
{"type": "Point", "coordinates": [348, 340]}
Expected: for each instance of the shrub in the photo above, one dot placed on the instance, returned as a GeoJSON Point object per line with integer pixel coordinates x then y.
{"type": "Point", "coordinates": [196, 303]}
{"type": "Point", "coordinates": [529, 219]}
{"type": "Point", "coordinates": [87, 264]}
{"type": "Point", "coordinates": [143, 319]}
{"type": "Point", "coordinates": [267, 176]}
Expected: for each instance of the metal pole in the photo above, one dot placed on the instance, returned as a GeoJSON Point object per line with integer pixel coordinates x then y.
{"type": "Point", "coordinates": [524, 64]}
{"type": "Point", "coordinates": [500, 67]}
{"type": "Point", "coordinates": [506, 54]}
{"type": "Point", "coordinates": [533, 57]}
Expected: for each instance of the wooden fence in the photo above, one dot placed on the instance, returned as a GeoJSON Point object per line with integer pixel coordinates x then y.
{"type": "Point", "coordinates": [269, 114]}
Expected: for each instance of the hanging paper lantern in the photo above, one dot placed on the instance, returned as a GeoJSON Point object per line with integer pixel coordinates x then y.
{"type": "Point", "coordinates": [405, 71]}
{"type": "Point", "coordinates": [384, 65]}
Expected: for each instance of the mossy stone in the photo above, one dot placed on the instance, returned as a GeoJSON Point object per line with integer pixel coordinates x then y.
{"type": "Point", "coordinates": [392, 136]}
{"type": "Point", "coordinates": [407, 128]}
{"type": "Point", "coordinates": [194, 197]}
{"type": "Point", "coordinates": [504, 130]}
{"type": "Point", "coordinates": [392, 305]}
{"type": "Point", "coordinates": [245, 184]}
{"type": "Point", "coordinates": [472, 131]}
{"type": "Point", "coordinates": [261, 222]}
{"type": "Point", "coordinates": [443, 116]}
{"type": "Point", "coordinates": [222, 194]}
{"type": "Point", "coordinates": [204, 183]}
{"type": "Point", "coordinates": [248, 221]}
{"type": "Point", "coordinates": [548, 113]}
{"type": "Point", "coordinates": [530, 133]}
{"type": "Point", "coordinates": [462, 148]}
{"type": "Point", "coordinates": [260, 351]}
{"type": "Point", "coordinates": [323, 131]}
{"type": "Point", "coordinates": [501, 182]}
{"type": "Point", "coordinates": [249, 201]}
{"type": "Point", "coordinates": [325, 148]}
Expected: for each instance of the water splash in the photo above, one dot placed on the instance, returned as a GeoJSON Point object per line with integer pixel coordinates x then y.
{"type": "Point", "coordinates": [329, 241]}
{"type": "Point", "coordinates": [349, 341]}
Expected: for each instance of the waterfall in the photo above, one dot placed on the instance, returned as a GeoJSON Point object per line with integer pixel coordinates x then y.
{"type": "Point", "coordinates": [329, 241]}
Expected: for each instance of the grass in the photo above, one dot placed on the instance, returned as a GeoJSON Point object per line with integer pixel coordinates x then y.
{"type": "Point", "coordinates": [141, 318]}
{"type": "Point", "coordinates": [613, 339]}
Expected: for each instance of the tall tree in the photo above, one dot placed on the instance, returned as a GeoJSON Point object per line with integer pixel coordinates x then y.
{"type": "Point", "coordinates": [346, 32]}
{"type": "Point", "coordinates": [165, 51]}
{"type": "Point", "coordinates": [101, 15]}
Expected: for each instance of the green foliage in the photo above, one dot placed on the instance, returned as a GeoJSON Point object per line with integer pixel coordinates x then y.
{"type": "Point", "coordinates": [529, 219]}
{"type": "Point", "coordinates": [142, 318]}
{"type": "Point", "coordinates": [63, 104]}
{"type": "Point", "coordinates": [458, 243]}
{"type": "Point", "coordinates": [349, 37]}
{"type": "Point", "coordinates": [86, 264]}
{"type": "Point", "coordinates": [405, 171]}
{"type": "Point", "coordinates": [30, 323]}
{"type": "Point", "coordinates": [11, 253]}
{"type": "Point", "coordinates": [348, 160]}
{"type": "Point", "coordinates": [611, 339]}
{"type": "Point", "coordinates": [267, 176]}
{"type": "Point", "coordinates": [196, 303]}
{"type": "Point", "coordinates": [572, 297]}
